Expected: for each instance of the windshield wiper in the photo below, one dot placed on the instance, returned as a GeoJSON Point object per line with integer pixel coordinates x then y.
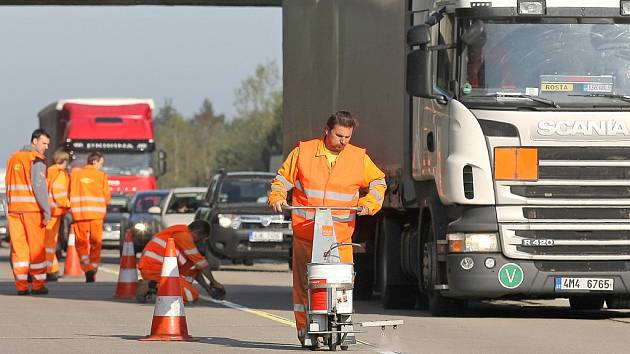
{"type": "Point", "coordinates": [624, 98]}
{"type": "Point", "coordinates": [508, 95]}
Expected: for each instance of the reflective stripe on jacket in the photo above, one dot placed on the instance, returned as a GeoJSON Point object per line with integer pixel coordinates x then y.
{"type": "Point", "coordinates": [187, 253]}
{"type": "Point", "coordinates": [89, 193]}
{"type": "Point", "coordinates": [58, 185]}
{"type": "Point", "coordinates": [20, 195]}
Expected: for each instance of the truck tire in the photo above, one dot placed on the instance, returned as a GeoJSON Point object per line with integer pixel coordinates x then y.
{"type": "Point", "coordinates": [393, 295]}
{"type": "Point", "coordinates": [213, 261]}
{"type": "Point", "coordinates": [364, 279]}
{"type": "Point", "coordinates": [438, 304]}
{"type": "Point", "coordinates": [586, 303]}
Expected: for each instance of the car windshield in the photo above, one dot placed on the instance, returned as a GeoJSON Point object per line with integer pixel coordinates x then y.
{"type": "Point", "coordinates": [145, 201]}
{"type": "Point", "coordinates": [244, 190]}
{"type": "Point", "coordinates": [569, 64]}
{"type": "Point", "coordinates": [120, 164]}
{"type": "Point", "coordinates": [117, 204]}
{"type": "Point", "coordinates": [184, 203]}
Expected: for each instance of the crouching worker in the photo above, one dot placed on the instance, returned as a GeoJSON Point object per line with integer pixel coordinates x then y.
{"type": "Point", "coordinates": [192, 264]}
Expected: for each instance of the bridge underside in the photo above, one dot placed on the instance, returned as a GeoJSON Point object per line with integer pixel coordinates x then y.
{"type": "Point", "coordinates": [277, 3]}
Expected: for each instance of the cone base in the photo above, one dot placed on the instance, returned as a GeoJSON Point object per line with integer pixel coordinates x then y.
{"type": "Point", "coordinates": [126, 291]}
{"type": "Point", "coordinates": [168, 338]}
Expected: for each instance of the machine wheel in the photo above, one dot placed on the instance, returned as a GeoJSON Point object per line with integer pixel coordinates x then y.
{"type": "Point", "coordinates": [586, 303]}
{"type": "Point", "coordinates": [437, 303]}
{"type": "Point", "coordinates": [393, 296]}
{"type": "Point", "coordinates": [343, 347]}
{"type": "Point", "coordinates": [248, 262]}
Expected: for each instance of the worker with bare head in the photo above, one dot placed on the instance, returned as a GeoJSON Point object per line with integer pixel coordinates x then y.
{"type": "Point", "coordinates": [58, 187]}
{"type": "Point", "coordinates": [89, 195]}
{"type": "Point", "coordinates": [326, 171]}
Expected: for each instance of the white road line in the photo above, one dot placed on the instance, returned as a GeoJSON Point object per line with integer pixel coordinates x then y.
{"type": "Point", "coordinates": [258, 313]}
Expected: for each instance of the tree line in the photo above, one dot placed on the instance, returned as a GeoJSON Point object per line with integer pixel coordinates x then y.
{"type": "Point", "coordinates": [197, 147]}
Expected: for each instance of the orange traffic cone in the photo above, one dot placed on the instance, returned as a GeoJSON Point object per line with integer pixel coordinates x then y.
{"type": "Point", "coordinates": [128, 274]}
{"type": "Point", "coordinates": [72, 268]}
{"type": "Point", "coordinates": [169, 320]}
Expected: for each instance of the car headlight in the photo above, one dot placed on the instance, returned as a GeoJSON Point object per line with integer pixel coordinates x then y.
{"type": "Point", "coordinates": [140, 226]}
{"type": "Point", "coordinates": [3, 230]}
{"type": "Point", "coordinates": [473, 242]}
{"type": "Point", "coordinates": [229, 220]}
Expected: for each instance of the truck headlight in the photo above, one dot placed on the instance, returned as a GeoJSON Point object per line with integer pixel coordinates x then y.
{"type": "Point", "coordinates": [472, 242]}
{"type": "Point", "coordinates": [3, 230]}
{"type": "Point", "coordinates": [140, 226]}
{"type": "Point", "coordinates": [229, 220]}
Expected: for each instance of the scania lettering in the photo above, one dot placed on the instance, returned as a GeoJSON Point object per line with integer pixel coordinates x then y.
{"type": "Point", "coordinates": [120, 128]}
{"type": "Point", "coordinates": [503, 128]}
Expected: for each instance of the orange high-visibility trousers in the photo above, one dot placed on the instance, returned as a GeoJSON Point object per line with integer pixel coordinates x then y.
{"type": "Point", "coordinates": [28, 255]}
{"type": "Point", "coordinates": [302, 251]}
{"type": "Point", "coordinates": [52, 235]}
{"type": "Point", "coordinates": [89, 240]}
{"type": "Point", "coordinates": [189, 292]}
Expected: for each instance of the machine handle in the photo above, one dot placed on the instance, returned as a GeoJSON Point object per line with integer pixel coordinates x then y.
{"type": "Point", "coordinates": [291, 207]}
{"type": "Point", "coordinates": [339, 244]}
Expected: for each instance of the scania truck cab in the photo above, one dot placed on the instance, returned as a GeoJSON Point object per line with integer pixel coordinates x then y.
{"type": "Point", "coordinates": [521, 112]}
{"type": "Point", "coordinates": [503, 128]}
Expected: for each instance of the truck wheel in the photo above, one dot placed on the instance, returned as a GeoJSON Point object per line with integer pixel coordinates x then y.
{"type": "Point", "coordinates": [364, 268]}
{"type": "Point", "coordinates": [437, 303]}
{"type": "Point", "coordinates": [586, 303]}
{"type": "Point", "coordinates": [393, 296]}
{"type": "Point", "coordinates": [213, 261]}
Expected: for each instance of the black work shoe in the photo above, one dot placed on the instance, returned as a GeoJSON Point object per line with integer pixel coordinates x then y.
{"type": "Point", "coordinates": [40, 291]}
{"type": "Point", "coordinates": [23, 292]}
{"type": "Point", "coordinates": [51, 277]}
{"type": "Point", "coordinates": [89, 276]}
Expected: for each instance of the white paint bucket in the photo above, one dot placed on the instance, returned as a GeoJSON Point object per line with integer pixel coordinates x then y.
{"type": "Point", "coordinates": [330, 287]}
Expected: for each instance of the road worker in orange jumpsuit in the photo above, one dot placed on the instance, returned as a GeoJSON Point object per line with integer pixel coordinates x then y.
{"type": "Point", "coordinates": [29, 212]}
{"type": "Point", "coordinates": [327, 171]}
{"type": "Point", "coordinates": [192, 263]}
{"type": "Point", "coordinates": [89, 195]}
{"type": "Point", "coordinates": [58, 186]}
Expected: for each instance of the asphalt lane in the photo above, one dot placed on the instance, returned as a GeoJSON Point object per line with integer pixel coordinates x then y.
{"type": "Point", "coordinates": [84, 318]}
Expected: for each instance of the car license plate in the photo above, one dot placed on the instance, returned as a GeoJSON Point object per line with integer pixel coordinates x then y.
{"type": "Point", "coordinates": [587, 284]}
{"type": "Point", "coordinates": [265, 236]}
{"type": "Point", "coordinates": [111, 235]}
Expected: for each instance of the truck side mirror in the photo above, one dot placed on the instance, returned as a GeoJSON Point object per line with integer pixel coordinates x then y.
{"type": "Point", "coordinates": [161, 162]}
{"type": "Point", "coordinates": [419, 83]}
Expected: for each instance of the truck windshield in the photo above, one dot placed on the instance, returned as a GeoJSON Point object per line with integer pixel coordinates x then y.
{"type": "Point", "coordinates": [120, 163]}
{"type": "Point", "coordinates": [568, 64]}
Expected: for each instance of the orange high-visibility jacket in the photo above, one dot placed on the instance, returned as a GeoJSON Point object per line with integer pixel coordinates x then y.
{"type": "Point", "coordinates": [307, 171]}
{"type": "Point", "coordinates": [20, 195]}
{"type": "Point", "coordinates": [89, 193]}
{"type": "Point", "coordinates": [58, 185]}
{"type": "Point", "coordinates": [187, 253]}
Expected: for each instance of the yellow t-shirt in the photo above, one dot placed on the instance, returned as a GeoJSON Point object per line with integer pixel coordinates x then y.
{"type": "Point", "coordinates": [331, 156]}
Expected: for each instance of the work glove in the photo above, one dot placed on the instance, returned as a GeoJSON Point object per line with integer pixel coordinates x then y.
{"type": "Point", "coordinates": [217, 291]}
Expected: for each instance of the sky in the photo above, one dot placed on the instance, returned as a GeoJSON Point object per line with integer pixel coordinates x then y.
{"type": "Point", "coordinates": [184, 54]}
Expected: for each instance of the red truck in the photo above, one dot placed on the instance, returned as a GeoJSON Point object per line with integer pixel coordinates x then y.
{"type": "Point", "coordinates": [121, 128]}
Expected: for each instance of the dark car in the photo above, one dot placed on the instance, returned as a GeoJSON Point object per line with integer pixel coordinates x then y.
{"type": "Point", "coordinates": [117, 210]}
{"type": "Point", "coordinates": [4, 228]}
{"type": "Point", "coordinates": [143, 219]}
{"type": "Point", "coordinates": [242, 226]}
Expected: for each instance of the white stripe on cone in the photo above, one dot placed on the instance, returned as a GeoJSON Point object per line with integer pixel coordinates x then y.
{"type": "Point", "coordinates": [128, 275]}
{"type": "Point", "coordinates": [172, 306]}
{"type": "Point", "coordinates": [128, 249]}
{"type": "Point", "coordinates": [71, 240]}
{"type": "Point", "coordinates": [169, 268]}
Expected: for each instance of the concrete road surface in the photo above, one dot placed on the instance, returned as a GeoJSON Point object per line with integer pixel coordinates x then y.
{"type": "Point", "coordinates": [83, 318]}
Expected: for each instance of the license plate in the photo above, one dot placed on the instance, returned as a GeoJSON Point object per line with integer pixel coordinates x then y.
{"type": "Point", "coordinates": [587, 284]}
{"type": "Point", "coordinates": [265, 236]}
{"type": "Point", "coordinates": [111, 235]}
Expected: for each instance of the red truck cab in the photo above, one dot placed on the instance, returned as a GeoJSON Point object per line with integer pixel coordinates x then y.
{"type": "Point", "coordinates": [120, 128]}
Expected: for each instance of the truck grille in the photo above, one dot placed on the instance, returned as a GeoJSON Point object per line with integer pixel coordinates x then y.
{"type": "Point", "coordinates": [581, 202]}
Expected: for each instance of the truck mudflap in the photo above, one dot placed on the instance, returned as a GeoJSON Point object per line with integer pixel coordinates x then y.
{"type": "Point", "coordinates": [492, 276]}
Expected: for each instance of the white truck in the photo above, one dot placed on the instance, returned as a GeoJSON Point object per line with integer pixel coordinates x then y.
{"type": "Point", "coordinates": [504, 130]}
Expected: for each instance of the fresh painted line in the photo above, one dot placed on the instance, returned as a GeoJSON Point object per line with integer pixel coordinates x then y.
{"type": "Point", "coordinates": [258, 313]}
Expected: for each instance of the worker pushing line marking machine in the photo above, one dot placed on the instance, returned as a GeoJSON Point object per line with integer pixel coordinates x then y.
{"type": "Point", "coordinates": [330, 283]}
